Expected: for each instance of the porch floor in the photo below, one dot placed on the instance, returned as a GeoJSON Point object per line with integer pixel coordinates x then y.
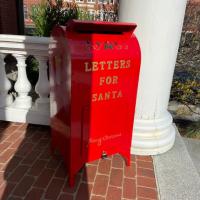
{"type": "Point", "coordinates": [28, 171]}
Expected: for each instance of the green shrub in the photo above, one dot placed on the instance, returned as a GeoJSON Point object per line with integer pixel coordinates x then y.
{"type": "Point", "coordinates": [83, 14]}
{"type": "Point", "coordinates": [32, 70]}
{"type": "Point", "coordinates": [187, 92]}
{"type": "Point", "coordinates": [45, 16]}
{"type": "Point", "coordinates": [188, 128]}
{"type": "Point", "coordinates": [48, 14]}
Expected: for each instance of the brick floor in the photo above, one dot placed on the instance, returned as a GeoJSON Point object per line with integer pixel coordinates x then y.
{"type": "Point", "coordinates": [28, 172]}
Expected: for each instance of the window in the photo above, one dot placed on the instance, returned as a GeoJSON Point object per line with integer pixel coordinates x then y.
{"type": "Point", "coordinates": [91, 1]}
{"type": "Point", "coordinates": [79, 1]}
{"type": "Point", "coordinates": [103, 1]}
{"type": "Point", "coordinates": [25, 12]}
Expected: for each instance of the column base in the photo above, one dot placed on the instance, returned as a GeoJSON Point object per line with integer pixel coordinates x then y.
{"type": "Point", "coordinates": [43, 104]}
{"type": "Point", "coordinates": [23, 102]}
{"type": "Point", "coordinates": [6, 100]}
{"type": "Point", "coordinates": [152, 137]}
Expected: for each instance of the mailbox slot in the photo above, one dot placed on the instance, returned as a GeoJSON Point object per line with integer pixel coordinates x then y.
{"type": "Point", "coordinates": [99, 32]}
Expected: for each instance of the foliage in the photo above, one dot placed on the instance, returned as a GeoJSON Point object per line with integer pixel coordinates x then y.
{"type": "Point", "coordinates": [193, 131]}
{"type": "Point", "coordinates": [83, 14]}
{"type": "Point", "coordinates": [192, 17]}
{"type": "Point", "coordinates": [186, 81]}
{"type": "Point", "coordinates": [45, 16]}
{"type": "Point", "coordinates": [49, 13]}
{"type": "Point", "coordinates": [38, 17]}
{"type": "Point", "coordinates": [32, 70]}
{"type": "Point", "coordinates": [188, 128]}
{"type": "Point", "coordinates": [187, 91]}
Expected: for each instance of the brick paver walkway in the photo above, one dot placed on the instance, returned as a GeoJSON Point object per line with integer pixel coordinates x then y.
{"type": "Point", "coordinates": [28, 172]}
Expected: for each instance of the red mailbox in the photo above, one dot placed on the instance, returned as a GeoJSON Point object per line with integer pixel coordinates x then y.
{"type": "Point", "coordinates": [94, 70]}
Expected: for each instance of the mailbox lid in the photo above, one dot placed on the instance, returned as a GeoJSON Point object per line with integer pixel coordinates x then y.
{"type": "Point", "coordinates": [91, 27]}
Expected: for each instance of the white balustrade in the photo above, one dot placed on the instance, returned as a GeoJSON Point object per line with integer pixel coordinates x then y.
{"type": "Point", "coordinates": [42, 86]}
{"type": "Point", "coordinates": [22, 85]}
{"type": "Point", "coordinates": [5, 85]}
{"type": "Point", "coordinates": [22, 109]}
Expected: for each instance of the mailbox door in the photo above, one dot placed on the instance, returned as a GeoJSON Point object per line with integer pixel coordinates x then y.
{"type": "Point", "coordinates": [113, 96]}
{"type": "Point", "coordinates": [105, 69]}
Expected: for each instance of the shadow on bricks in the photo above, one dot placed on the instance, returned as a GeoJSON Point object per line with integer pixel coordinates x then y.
{"type": "Point", "coordinates": [29, 172]}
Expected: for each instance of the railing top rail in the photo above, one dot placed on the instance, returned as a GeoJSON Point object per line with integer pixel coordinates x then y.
{"type": "Point", "coordinates": [24, 39]}
{"type": "Point", "coordinates": [25, 45]}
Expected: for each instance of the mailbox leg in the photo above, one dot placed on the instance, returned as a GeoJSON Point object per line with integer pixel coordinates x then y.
{"type": "Point", "coordinates": [71, 180]}
{"type": "Point", "coordinates": [127, 157]}
{"type": "Point", "coordinates": [52, 150]}
{"type": "Point", "coordinates": [52, 147]}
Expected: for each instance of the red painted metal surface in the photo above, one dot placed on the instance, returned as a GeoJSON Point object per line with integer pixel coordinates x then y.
{"type": "Point", "coordinates": [94, 70]}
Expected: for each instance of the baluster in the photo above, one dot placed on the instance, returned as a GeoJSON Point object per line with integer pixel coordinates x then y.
{"type": "Point", "coordinates": [5, 85]}
{"type": "Point", "coordinates": [42, 86]}
{"type": "Point", "coordinates": [22, 85]}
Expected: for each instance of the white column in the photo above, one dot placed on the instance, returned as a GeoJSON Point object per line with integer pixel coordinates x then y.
{"type": "Point", "coordinates": [42, 86]}
{"type": "Point", "coordinates": [22, 85]}
{"type": "Point", "coordinates": [159, 30]}
{"type": "Point", "coordinates": [5, 85]}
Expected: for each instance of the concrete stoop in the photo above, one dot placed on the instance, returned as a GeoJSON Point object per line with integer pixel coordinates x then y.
{"type": "Point", "coordinates": [193, 147]}
{"type": "Point", "coordinates": [176, 173]}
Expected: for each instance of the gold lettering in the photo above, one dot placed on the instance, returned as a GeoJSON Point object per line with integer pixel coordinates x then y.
{"type": "Point", "coordinates": [102, 63]}
{"type": "Point", "coordinates": [119, 95]}
{"type": "Point", "coordinates": [99, 142]}
{"type": "Point", "coordinates": [128, 63]}
{"type": "Point", "coordinates": [109, 64]}
{"type": "Point", "coordinates": [94, 66]}
{"type": "Point", "coordinates": [87, 69]}
{"type": "Point", "coordinates": [102, 80]}
{"type": "Point", "coordinates": [108, 80]}
{"type": "Point", "coordinates": [123, 64]}
{"type": "Point", "coordinates": [116, 64]}
{"type": "Point", "coordinates": [114, 94]}
{"type": "Point", "coordinates": [107, 95]}
{"type": "Point", "coordinates": [94, 97]}
{"type": "Point", "coordinates": [115, 79]}
{"type": "Point", "coordinates": [100, 98]}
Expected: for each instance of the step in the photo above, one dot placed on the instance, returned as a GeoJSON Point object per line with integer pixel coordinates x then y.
{"type": "Point", "coordinates": [193, 147]}
{"type": "Point", "coordinates": [176, 175]}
